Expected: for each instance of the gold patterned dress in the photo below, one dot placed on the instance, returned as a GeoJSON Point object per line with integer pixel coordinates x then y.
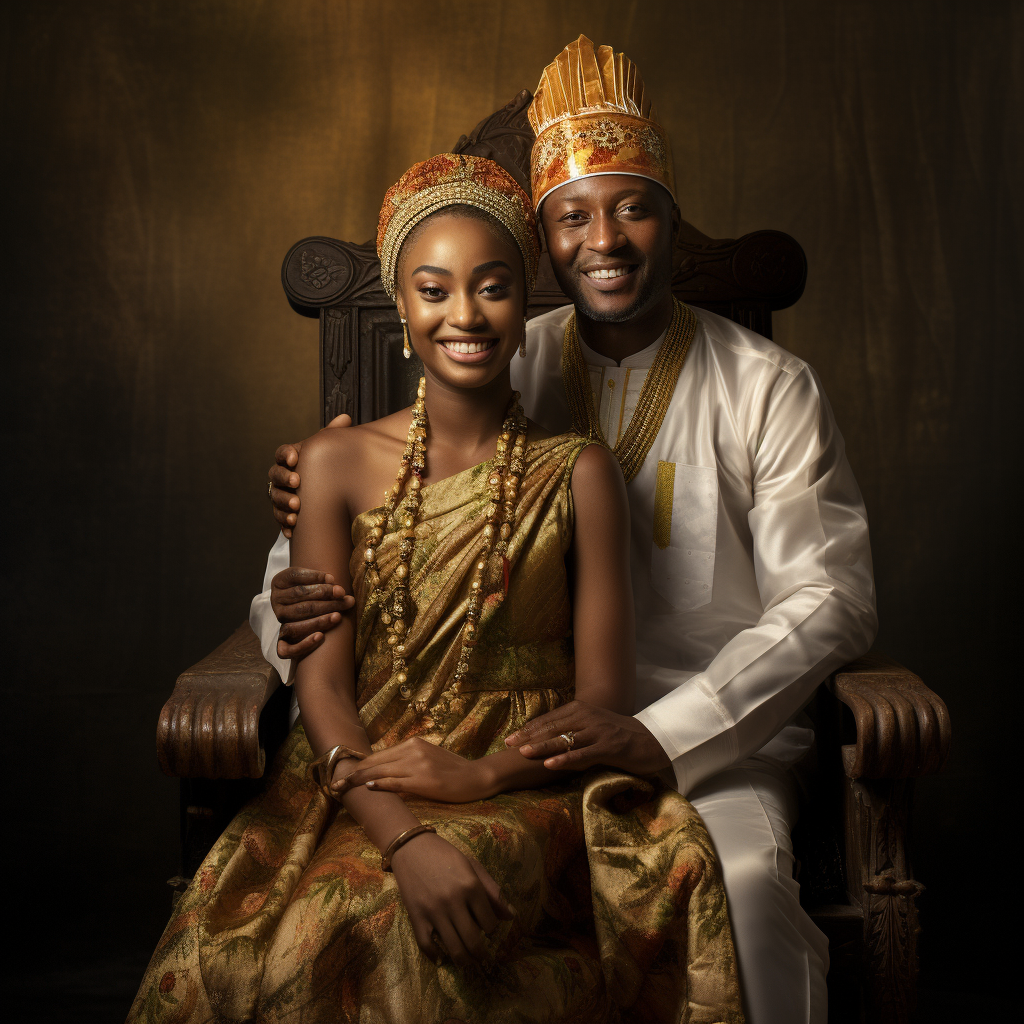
{"type": "Point", "coordinates": [619, 907]}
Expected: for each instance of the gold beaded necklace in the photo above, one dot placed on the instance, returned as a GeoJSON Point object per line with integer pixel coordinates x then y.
{"type": "Point", "coordinates": [655, 395]}
{"type": "Point", "coordinates": [397, 609]}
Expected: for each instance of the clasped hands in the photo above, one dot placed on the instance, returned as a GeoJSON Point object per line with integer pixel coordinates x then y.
{"type": "Point", "coordinates": [416, 767]}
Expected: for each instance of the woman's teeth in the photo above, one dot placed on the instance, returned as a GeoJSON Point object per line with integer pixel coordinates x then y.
{"type": "Point", "coordinates": [468, 347]}
{"type": "Point", "coordinates": [604, 275]}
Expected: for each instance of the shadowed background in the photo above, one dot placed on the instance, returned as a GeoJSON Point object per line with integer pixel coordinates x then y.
{"type": "Point", "coordinates": [159, 160]}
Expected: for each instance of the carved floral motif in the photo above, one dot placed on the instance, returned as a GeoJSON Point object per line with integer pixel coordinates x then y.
{"type": "Point", "coordinates": [319, 270]}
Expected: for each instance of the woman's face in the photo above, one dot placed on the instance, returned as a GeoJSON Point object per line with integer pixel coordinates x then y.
{"type": "Point", "coordinates": [462, 290]}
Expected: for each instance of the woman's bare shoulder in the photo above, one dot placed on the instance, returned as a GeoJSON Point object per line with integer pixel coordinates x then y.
{"type": "Point", "coordinates": [354, 465]}
{"type": "Point", "coordinates": [328, 448]}
{"type": "Point", "coordinates": [341, 445]}
{"type": "Point", "coordinates": [597, 471]}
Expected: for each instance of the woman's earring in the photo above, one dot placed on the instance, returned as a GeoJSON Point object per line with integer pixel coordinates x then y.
{"type": "Point", "coordinates": [522, 344]}
{"type": "Point", "coordinates": [407, 350]}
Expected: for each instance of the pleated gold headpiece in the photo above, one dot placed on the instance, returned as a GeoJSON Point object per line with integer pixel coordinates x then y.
{"type": "Point", "coordinates": [455, 179]}
{"type": "Point", "coordinates": [591, 115]}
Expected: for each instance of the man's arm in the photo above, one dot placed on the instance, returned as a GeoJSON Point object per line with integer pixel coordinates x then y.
{"type": "Point", "coordinates": [812, 560]}
{"type": "Point", "coordinates": [296, 606]}
{"type": "Point", "coordinates": [295, 610]}
{"type": "Point", "coordinates": [262, 619]}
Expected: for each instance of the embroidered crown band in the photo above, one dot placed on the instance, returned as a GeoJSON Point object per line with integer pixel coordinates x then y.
{"type": "Point", "coordinates": [454, 179]}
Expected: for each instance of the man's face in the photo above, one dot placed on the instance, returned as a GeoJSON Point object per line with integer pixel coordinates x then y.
{"type": "Point", "coordinates": [610, 241]}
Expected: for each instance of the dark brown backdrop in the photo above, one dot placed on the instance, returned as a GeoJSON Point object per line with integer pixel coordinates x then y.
{"type": "Point", "coordinates": [159, 159]}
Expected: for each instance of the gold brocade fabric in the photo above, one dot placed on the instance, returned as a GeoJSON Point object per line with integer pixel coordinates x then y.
{"type": "Point", "coordinates": [620, 909]}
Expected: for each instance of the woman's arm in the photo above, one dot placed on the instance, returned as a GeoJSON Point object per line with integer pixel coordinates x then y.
{"type": "Point", "coordinates": [604, 638]}
{"type": "Point", "coordinates": [603, 617]}
{"type": "Point", "coordinates": [448, 896]}
{"type": "Point", "coordinates": [325, 678]}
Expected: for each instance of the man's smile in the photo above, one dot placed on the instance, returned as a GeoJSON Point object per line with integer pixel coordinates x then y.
{"type": "Point", "coordinates": [608, 273]}
{"type": "Point", "coordinates": [609, 278]}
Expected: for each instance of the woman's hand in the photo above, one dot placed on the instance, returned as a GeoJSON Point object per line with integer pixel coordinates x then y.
{"type": "Point", "coordinates": [418, 768]}
{"type": "Point", "coordinates": [449, 897]}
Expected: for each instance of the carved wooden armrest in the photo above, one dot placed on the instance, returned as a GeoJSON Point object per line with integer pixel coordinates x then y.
{"type": "Point", "coordinates": [903, 728]}
{"type": "Point", "coordinates": [209, 728]}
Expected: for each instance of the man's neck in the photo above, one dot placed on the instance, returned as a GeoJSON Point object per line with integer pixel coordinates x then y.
{"type": "Point", "coordinates": [619, 341]}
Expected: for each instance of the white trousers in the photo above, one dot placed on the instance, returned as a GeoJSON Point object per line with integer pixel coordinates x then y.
{"type": "Point", "coordinates": [782, 957]}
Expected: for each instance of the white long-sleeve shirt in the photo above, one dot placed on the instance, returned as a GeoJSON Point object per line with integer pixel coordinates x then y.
{"type": "Point", "coordinates": [756, 582]}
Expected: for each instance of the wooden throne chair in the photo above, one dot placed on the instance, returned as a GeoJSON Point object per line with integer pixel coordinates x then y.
{"type": "Point", "coordinates": [879, 727]}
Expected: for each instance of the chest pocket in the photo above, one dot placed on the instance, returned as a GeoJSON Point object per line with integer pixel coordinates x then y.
{"type": "Point", "coordinates": [685, 525]}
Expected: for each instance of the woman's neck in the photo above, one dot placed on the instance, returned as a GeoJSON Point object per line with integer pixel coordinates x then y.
{"type": "Point", "coordinates": [464, 423]}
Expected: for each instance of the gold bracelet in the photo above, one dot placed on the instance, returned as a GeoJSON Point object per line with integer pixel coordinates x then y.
{"type": "Point", "coordinates": [321, 770]}
{"type": "Point", "coordinates": [400, 840]}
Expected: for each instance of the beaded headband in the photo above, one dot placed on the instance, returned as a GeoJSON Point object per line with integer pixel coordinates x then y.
{"type": "Point", "coordinates": [592, 115]}
{"type": "Point", "coordinates": [454, 179]}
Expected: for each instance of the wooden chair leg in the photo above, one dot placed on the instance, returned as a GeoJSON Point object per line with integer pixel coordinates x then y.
{"type": "Point", "coordinates": [879, 880]}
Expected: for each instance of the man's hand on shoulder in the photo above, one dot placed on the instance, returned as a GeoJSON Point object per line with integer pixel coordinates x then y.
{"type": "Point", "coordinates": [599, 736]}
{"type": "Point", "coordinates": [307, 604]}
{"type": "Point", "coordinates": [284, 480]}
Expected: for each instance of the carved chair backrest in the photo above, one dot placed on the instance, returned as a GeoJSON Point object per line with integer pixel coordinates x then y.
{"type": "Point", "coordinates": [362, 371]}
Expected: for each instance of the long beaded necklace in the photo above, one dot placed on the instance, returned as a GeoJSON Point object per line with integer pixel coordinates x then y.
{"type": "Point", "coordinates": [397, 609]}
{"type": "Point", "coordinates": [654, 398]}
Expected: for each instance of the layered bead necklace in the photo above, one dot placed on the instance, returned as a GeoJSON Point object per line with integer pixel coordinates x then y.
{"type": "Point", "coordinates": [655, 394]}
{"type": "Point", "coordinates": [397, 608]}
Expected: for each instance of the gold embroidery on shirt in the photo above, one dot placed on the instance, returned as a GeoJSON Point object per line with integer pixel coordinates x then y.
{"type": "Point", "coordinates": [622, 407]}
{"type": "Point", "coordinates": [663, 492]}
{"type": "Point", "coordinates": [652, 402]}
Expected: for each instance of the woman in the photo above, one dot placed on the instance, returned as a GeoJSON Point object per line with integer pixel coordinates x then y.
{"type": "Point", "coordinates": [403, 864]}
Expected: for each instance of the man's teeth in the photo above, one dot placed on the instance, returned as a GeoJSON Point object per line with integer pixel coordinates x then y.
{"type": "Point", "coordinates": [604, 275]}
{"type": "Point", "coordinates": [467, 347]}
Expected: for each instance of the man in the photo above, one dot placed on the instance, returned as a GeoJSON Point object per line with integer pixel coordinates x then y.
{"type": "Point", "coordinates": [750, 557]}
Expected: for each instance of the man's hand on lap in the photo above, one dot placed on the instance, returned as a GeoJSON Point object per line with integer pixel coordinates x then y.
{"type": "Point", "coordinates": [599, 737]}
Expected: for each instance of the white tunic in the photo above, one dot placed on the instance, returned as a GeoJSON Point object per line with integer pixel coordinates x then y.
{"type": "Point", "coordinates": [759, 581]}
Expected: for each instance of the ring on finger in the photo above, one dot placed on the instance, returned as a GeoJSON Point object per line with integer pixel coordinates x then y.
{"type": "Point", "coordinates": [570, 739]}
{"type": "Point", "coordinates": [270, 489]}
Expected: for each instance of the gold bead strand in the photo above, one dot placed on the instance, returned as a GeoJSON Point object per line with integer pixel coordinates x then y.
{"type": "Point", "coordinates": [376, 532]}
{"type": "Point", "coordinates": [516, 468]}
{"type": "Point", "coordinates": [399, 609]}
{"type": "Point", "coordinates": [501, 459]}
{"type": "Point", "coordinates": [494, 480]}
{"type": "Point", "coordinates": [493, 531]}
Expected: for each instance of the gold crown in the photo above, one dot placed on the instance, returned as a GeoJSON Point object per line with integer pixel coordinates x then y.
{"type": "Point", "coordinates": [582, 80]}
{"type": "Point", "coordinates": [592, 115]}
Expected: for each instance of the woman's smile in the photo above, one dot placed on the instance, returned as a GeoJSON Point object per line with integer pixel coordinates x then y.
{"type": "Point", "coordinates": [475, 350]}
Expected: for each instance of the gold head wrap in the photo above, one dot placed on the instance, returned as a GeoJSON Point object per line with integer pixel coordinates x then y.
{"type": "Point", "coordinates": [591, 115]}
{"type": "Point", "coordinates": [454, 179]}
